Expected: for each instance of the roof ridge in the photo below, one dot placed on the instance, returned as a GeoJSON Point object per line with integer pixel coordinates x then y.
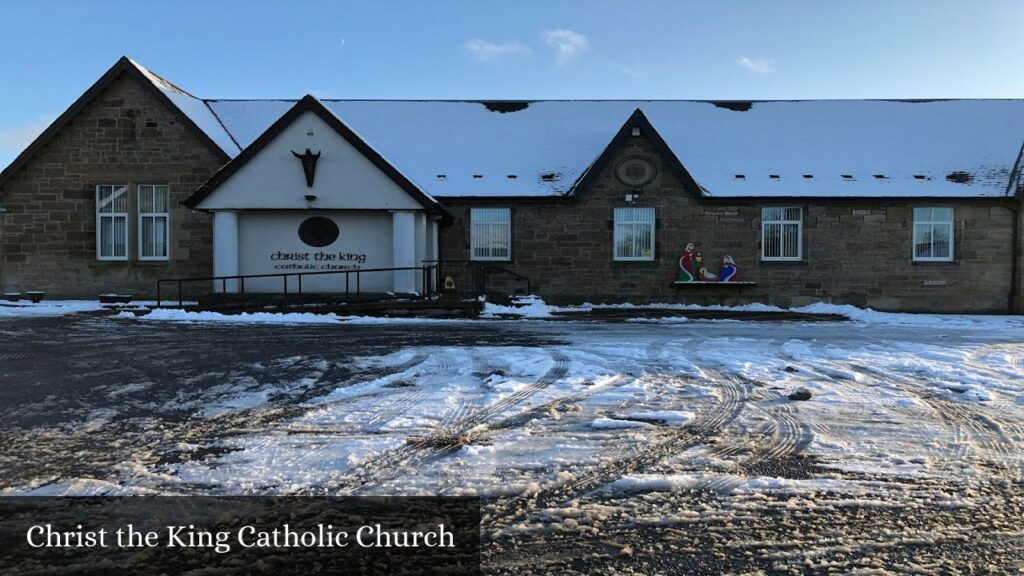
{"type": "Point", "coordinates": [154, 76]}
{"type": "Point", "coordinates": [623, 100]}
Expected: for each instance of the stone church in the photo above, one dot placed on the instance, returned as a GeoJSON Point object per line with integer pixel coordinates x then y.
{"type": "Point", "coordinates": [891, 204]}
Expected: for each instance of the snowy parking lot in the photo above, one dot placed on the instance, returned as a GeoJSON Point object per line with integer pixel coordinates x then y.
{"type": "Point", "coordinates": [653, 446]}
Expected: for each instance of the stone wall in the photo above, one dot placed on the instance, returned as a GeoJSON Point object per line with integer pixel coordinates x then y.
{"type": "Point", "coordinates": [126, 135]}
{"type": "Point", "coordinates": [854, 251]}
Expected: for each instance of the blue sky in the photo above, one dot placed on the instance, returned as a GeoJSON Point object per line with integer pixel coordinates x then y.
{"type": "Point", "coordinates": [754, 49]}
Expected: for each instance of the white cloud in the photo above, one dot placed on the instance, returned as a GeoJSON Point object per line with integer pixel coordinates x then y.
{"type": "Point", "coordinates": [17, 138]}
{"type": "Point", "coordinates": [484, 50]}
{"type": "Point", "coordinates": [568, 43]}
{"type": "Point", "coordinates": [757, 65]}
{"type": "Point", "coordinates": [633, 72]}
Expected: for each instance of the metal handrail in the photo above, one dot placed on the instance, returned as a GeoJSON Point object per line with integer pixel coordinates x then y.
{"type": "Point", "coordinates": [429, 280]}
{"type": "Point", "coordinates": [483, 268]}
{"type": "Point", "coordinates": [492, 269]}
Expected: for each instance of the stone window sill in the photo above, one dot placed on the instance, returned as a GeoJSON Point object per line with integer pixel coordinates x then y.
{"type": "Point", "coordinates": [938, 263]}
{"type": "Point", "coordinates": [782, 263]}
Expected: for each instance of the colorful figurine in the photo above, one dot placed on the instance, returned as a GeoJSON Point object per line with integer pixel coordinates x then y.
{"type": "Point", "coordinates": [686, 264]}
{"type": "Point", "coordinates": [704, 276]}
{"type": "Point", "coordinates": [728, 272]}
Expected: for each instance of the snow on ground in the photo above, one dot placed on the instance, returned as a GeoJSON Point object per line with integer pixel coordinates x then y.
{"type": "Point", "coordinates": [652, 425]}
{"type": "Point", "coordinates": [897, 407]}
{"type": "Point", "coordinates": [515, 419]}
{"type": "Point", "coordinates": [176, 315]}
{"type": "Point", "coordinates": [534, 307]}
{"type": "Point", "coordinates": [56, 308]}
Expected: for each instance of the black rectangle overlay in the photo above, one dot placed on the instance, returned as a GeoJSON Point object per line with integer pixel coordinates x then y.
{"type": "Point", "coordinates": [240, 535]}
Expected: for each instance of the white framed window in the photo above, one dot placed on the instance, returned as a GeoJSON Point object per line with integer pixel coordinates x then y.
{"type": "Point", "coordinates": [933, 234]}
{"type": "Point", "coordinates": [154, 222]}
{"type": "Point", "coordinates": [112, 222]}
{"type": "Point", "coordinates": [633, 236]}
{"type": "Point", "coordinates": [782, 234]}
{"type": "Point", "coordinates": [490, 233]}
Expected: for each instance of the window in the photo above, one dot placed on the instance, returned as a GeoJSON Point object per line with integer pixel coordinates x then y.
{"type": "Point", "coordinates": [111, 222]}
{"type": "Point", "coordinates": [318, 231]}
{"type": "Point", "coordinates": [490, 231]}
{"type": "Point", "coordinates": [153, 222]}
{"type": "Point", "coordinates": [933, 234]}
{"type": "Point", "coordinates": [781, 234]}
{"type": "Point", "coordinates": [634, 234]}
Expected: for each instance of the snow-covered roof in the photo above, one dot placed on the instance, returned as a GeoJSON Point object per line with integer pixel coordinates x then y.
{"type": "Point", "coordinates": [872, 148]}
{"type": "Point", "coordinates": [812, 148]}
{"type": "Point", "coordinates": [195, 109]}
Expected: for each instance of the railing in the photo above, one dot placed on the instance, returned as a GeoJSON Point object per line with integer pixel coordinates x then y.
{"type": "Point", "coordinates": [429, 284]}
{"type": "Point", "coordinates": [470, 276]}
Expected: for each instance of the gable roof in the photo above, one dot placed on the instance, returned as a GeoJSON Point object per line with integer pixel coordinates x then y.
{"type": "Point", "coordinates": [310, 104]}
{"type": "Point", "coordinates": [637, 120]}
{"type": "Point", "coordinates": [808, 148]}
{"type": "Point", "coordinates": [194, 112]}
{"type": "Point", "coordinates": [731, 149]}
{"type": "Point", "coordinates": [195, 109]}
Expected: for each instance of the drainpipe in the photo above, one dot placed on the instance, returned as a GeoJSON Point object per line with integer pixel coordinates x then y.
{"type": "Point", "coordinates": [3, 210]}
{"type": "Point", "coordinates": [1015, 263]}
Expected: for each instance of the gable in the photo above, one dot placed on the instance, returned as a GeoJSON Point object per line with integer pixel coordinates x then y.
{"type": "Point", "coordinates": [273, 178]}
{"type": "Point", "coordinates": [123, 70]}
{"type": "Point", "coordinates": [637, 128]}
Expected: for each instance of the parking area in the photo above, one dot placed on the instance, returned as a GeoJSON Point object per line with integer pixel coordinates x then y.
{"type": "Point", "coordinates": [652, 446]}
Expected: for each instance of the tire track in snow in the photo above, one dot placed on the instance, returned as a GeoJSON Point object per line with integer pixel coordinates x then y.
{"type": "Point", "coordinates": [479, 416]}
{"type": "Point", "coordinates": [545, 410]}
{"type": "Point", "coordinates": [449, 440]}
{"type": "Point", "coordinates": [254, 421]}
{"type": "Point", "coordinates": [785, 438]}
{"type": "Point", "coordinates": [663, 444]}
{"type": "Point", "coordinates": [406, 400]}
{"type": "Point", "coordinates": [970, 426]}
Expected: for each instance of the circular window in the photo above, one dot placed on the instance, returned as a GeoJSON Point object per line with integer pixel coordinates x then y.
{"type": "Point", "coordinates": [318, 231]}
{"type": "Point", "coordinates": [635, 171]}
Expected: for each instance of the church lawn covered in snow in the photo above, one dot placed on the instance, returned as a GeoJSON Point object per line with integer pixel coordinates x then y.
{"type": "Point", "coordinates": [657, 446]}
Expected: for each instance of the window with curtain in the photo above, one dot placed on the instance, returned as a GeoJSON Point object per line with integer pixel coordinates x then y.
{"type": "Point", "coordinates": [781, 234]}
{"type": "Point", "coordinates": [154, 222]}
{"type": "Point", "coordinates": [634, 234]}
{"type": "Point", "coordinates": [490, 233]}
{"type": "Point", "coordinates": [933, 234]}
{"type": "Point", "coordinates": [111, 222]}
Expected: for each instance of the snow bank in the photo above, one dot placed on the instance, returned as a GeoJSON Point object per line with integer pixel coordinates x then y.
{"type": "Point", "coordinates": [243, 318]}
{"type": "Point", "coordinates": [53, 308]}
{"type": "Point", "coordinates": [869, 316]}
{"type": "Point", "coordinates": [175, 315]}
{"type": "Point", "coordinates": [532, 307]}
{"type": "Point", "coordinates": [752, 307]}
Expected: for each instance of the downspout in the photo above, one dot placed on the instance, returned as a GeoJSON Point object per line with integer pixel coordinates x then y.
{"type": "Point", "coordinates": [3, 213]}
{"type": "Point", "coordinates": [1012, 306]}
{"type": "Point", "coordinates": [1013, 190]}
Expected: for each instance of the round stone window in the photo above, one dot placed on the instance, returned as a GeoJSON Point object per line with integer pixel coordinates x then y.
{"type": "Point", "coordinates": [318, 231]}
{"type": "Point", "coordinates": [635, 171]}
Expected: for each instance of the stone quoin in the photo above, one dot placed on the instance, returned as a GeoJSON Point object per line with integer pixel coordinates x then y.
{"type": "Point", "coordinates": [894, 205]}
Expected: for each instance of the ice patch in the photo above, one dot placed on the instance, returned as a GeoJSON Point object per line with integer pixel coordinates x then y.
{"type": "Point", "coordinates": [673, 417]}
{"type": "Point", "coordinates": [613, 424]}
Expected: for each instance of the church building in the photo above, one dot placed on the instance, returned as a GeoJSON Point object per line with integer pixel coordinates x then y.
{"type": "Point", "coordinates": [891, 204]}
